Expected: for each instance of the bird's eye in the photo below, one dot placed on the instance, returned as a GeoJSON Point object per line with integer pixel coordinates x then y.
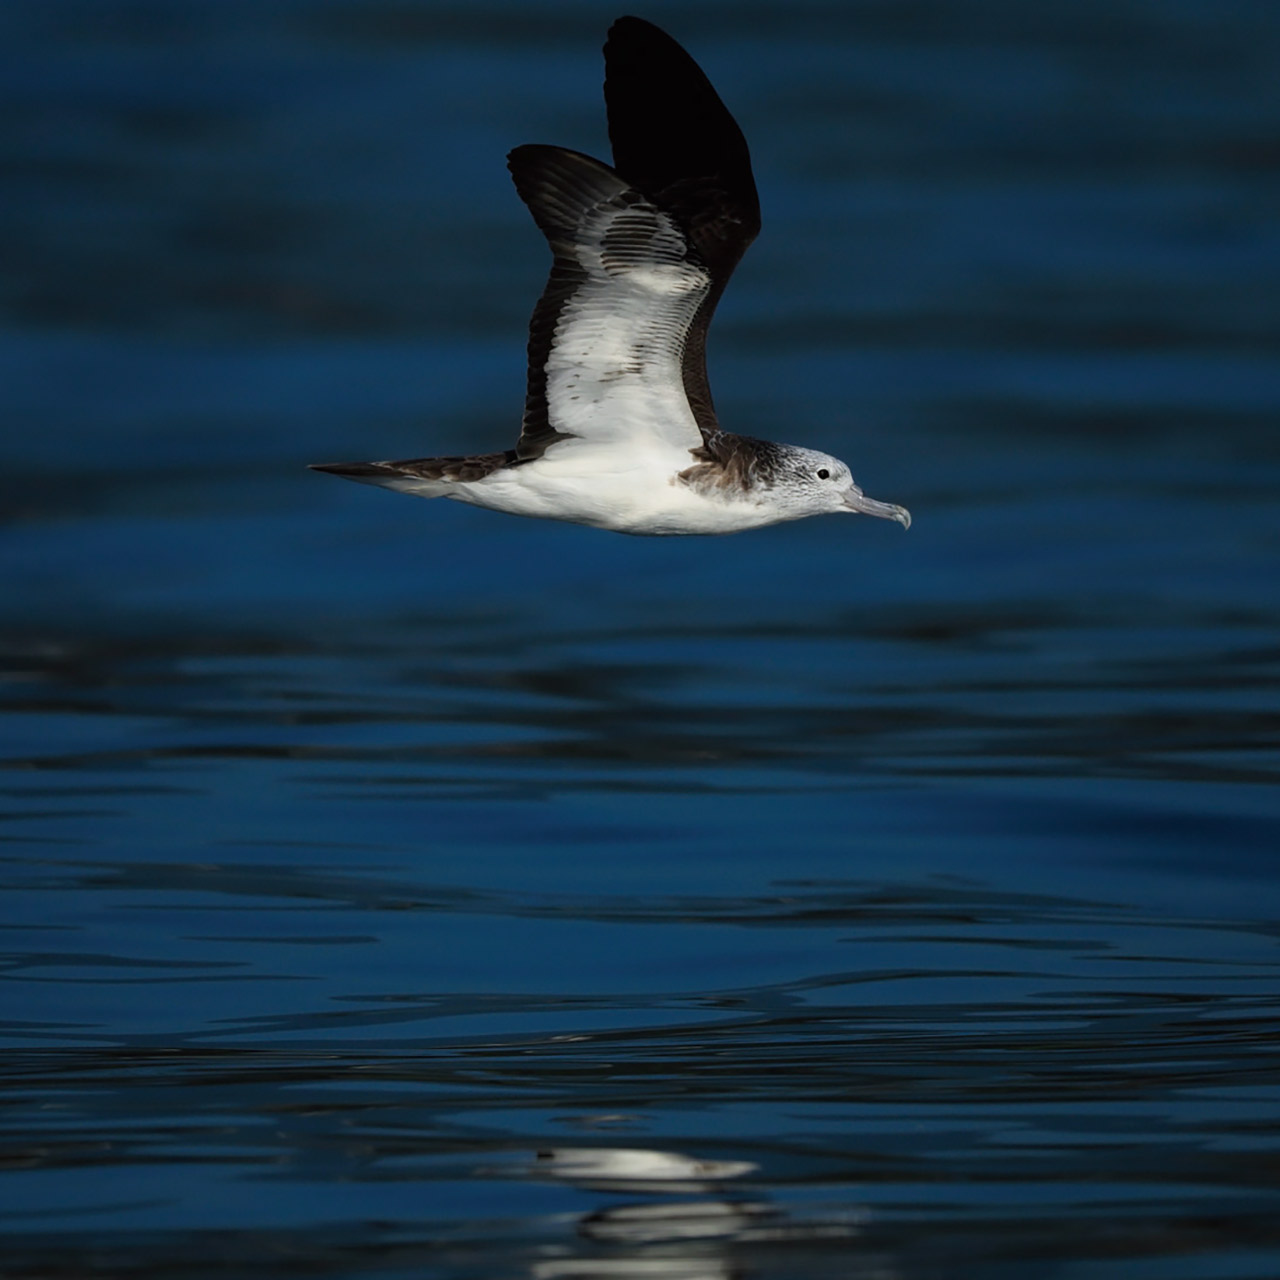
{"type": "Point", "coordinates": [824, 474]}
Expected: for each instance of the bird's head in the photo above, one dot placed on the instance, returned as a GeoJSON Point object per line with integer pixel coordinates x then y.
{"type": "Point", "coordinates": [814, 483]}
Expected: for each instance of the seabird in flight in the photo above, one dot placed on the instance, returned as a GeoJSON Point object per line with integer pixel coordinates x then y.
{"type": "Point", "coordinates": [619, 428]}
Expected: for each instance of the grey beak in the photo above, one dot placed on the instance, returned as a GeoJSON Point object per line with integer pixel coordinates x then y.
{"type": "Point", "coordinates": [858, 502]}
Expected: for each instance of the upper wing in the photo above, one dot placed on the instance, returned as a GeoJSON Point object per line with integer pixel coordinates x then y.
{"type": "Point", "coordinates": [608, 335]}
{"type": "Point", "coordinates": [675, 141]}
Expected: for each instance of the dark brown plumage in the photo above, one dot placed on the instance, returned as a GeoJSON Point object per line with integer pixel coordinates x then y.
{"type": "Point", "coordinates": [682, 149]}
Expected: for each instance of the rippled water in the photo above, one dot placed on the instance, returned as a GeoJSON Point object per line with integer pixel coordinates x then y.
{"type": "Point", "coordinates": [392, 888]}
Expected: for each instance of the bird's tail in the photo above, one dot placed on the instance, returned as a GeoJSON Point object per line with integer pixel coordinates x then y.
{"type": "Point", "coordinates": [425, 477]}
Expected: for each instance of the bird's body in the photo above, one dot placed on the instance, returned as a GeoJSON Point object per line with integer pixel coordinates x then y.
{"type": "Point", "coordinates": [619, 430]}
{"type": "Point", "coordinates": [636, 492]}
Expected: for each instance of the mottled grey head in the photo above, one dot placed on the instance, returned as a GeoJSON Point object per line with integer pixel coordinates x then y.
{"type": "Point", "coordinates": [812, 483]}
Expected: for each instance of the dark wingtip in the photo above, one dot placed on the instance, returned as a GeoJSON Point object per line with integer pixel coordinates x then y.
{"type": "Point", "coordinates": [629, 27]}
{"type": "Point", "coordinates": [560, 185]}
{"type": "Point", "coordinates": [628, 21]}
{"type": "Point", "coordinates": [675, 141]}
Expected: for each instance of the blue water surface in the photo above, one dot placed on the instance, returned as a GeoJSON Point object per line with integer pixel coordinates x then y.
{"type": "Point", "coordinates": [394, 888]}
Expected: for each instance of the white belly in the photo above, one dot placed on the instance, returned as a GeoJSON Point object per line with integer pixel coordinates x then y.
{"type": "Point", "coordinates": [644, 499]}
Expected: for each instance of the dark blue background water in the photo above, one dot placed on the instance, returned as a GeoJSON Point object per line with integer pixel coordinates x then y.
{"type": "Point", "coordinates": [393, 888]}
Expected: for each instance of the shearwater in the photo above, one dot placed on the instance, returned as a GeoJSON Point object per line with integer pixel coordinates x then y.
{"type": "Point", "coordinates": [619, 429]}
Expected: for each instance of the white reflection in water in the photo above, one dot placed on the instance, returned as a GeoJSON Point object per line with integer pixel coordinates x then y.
{"type": "Point", "coordinates": [619, 1168]}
